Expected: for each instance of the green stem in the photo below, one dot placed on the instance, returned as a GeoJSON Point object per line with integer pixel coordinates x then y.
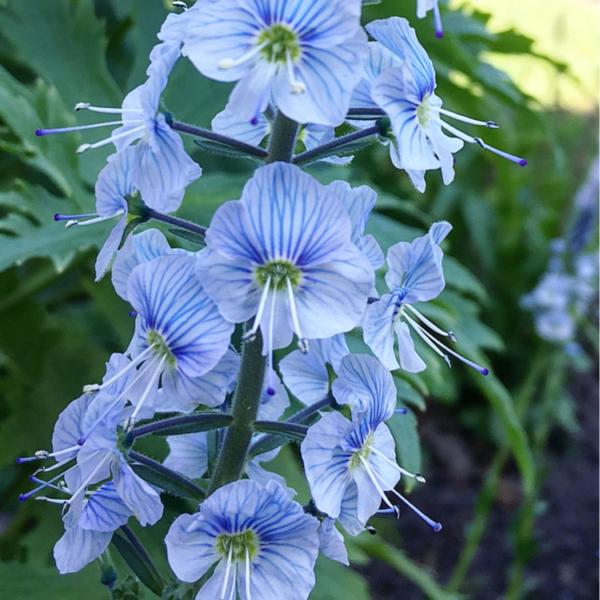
{"type": "Point", "coordinates": [246, 399]}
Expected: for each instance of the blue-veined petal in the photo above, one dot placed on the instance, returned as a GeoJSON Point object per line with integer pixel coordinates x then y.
{"type": "Point", "coordinates": [188, 454]}
{"type": "Point", "coordinates": [329, 75]}
{"type": "Point", "coordinates": [325, 463]}
{"type": "Point", "coordinates": [228, 123]}
{"type": "Point", "coordinates": [115, 183]}
{"type": "Point", "coordinates": [399, 37]}
{"type": "Point", "coordinates": [273, 405]}
{"type": "Point", "coordinates": [170, 300]}
{"type": "Point", "coordinates": [417, 267]}
{"type": "Point", "coordinates": [306, 375]}
{"type": "Point", "coordinates": [379, 59]}
{"type": "Point", "coordinates": [140, 497]}
{"type": "Point", "coordinates": [252, 94]}
{"type": "Point", "coordinates": [162, 169]}
{"type": "Point", "coordinates": [104, 510]}
{"type": "Point", "coordinates": [79, 547]}
{"type": "Point", "coordinates": [110, 247]}
{"type": "Point", "coordinates": [409, 359]}
{"type": "Point", "coordinates": [367, 386]}
{"type": "Point", "coordinates": [331, 298]}
{"type": "Point", "coordinates": [378, 330]}
{"type": "Point", "coordinates": [181, 393]}
{"type": "Point", "coordinates": [331, 542]}
{"type": "Point", "coordinates": [217, 31]}
{"type": "Point", "coordinates": [138, 249]}
{"type": "Point", "coordinates": [349, 511]}
{"type": "Point", "coordinates": [191, 545]}
{"type": "Point", "coordinates": [69, 426]}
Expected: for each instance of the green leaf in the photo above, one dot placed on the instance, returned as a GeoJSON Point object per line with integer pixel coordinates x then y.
{"type": "Point", "coordinates": [32, 232]}
{"type": "Point", "coordinates": [19, 581]}
{"type": "Point", "coordinates": [65, 43]}
{"type": "Point", "coordinates": [138, 561]}
{"type": "Point", "coordinates": [335, 581]}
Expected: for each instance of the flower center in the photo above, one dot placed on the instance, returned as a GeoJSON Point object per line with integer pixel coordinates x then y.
{"type": "Point", "coordinates": [356, 460]}
{"type": "Point", "coordinates": [161, 348]}
{"type": "Point", "coordinates": [278, 271]}
{"type": "Point", "coordinates": [278, 42]}
{"type": "Point", "coordinates": [238, 544]}
{"type": "Point", "coordinates": [424, 112]}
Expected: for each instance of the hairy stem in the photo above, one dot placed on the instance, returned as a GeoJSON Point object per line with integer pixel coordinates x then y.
{"type": "Point", "coordinates": [338, 143]}
{"type": "Point", "coordinates": [208, 134]}
{"type": "Point", "coordinates": [182, 223]}
{"type": "Point", "coordinates": [246, 399]}
{"type": "Point", "coordinates": [181, 425]}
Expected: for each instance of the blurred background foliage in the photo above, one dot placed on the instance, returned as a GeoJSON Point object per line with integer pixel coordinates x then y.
{"type": "Point", "coordinates": [491, 447]}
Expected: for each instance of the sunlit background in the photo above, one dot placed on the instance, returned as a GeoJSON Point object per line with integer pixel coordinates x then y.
{"type": "Point", "coordinates": [511, 460]}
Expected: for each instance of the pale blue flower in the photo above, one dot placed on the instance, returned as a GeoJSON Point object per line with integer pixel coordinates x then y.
{"type": "Point", "coordinates": [159, 167]}
{"type": "Point", "coordinates": [379, 60]}
{"type": "Point", "coordinates": [414, 275]}
{"type": "Point", "coordinates": [284, 255]}
{"type": "Point", "coordinates": [261, 543]}
{"type": "Point", "coordinates": [88, 432]}
{"type": "Point", "coordinates": [302, 56]}
{"type": "Point", "coordinates": [89, 527]}
{"type": "Point", "coordinates": [425, 6]}
{"type": "Point", "coordinates": [306, 373]}
{"type": "Point", "coordinates": [407, 94]}
{"type": "Point", "coordinates": [350, 464]}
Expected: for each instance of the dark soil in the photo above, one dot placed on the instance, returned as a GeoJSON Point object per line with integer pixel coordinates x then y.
{"type": "Point", "coordinates": [564, 563]}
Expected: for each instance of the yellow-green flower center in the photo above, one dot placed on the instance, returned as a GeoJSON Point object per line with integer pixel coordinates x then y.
{"type": "Point", "coordinates": [357, 457]}
{"type": "Point", "coordinates": [279, 271]}
{"type": "Point", "coordinates": [424, 112]}
{"type": "Point", "coordinates": [279, 42]}
{"type": "Point", "coordinates": [160, 347]}
{"type": "Point", "coordinates": [238, 544]}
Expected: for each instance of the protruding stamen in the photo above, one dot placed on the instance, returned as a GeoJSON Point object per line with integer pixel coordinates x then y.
{"type": "Point", "coordinates": [230, 63]}
{"type": "Point", "coordinates": [93, 221]}
{"type": "Point", "coordinates": [227, 571]}
{"type": "Point", "coordinates": [233, 583]}
{"type": "Point", "coordinates": [382, 512]}
{"type": "Point", "coordinates": [374, 481]}
{"type": "Point", "coordinates": [96, 387]}
{"type": "Point", "coordinates": [111, 139]}
{"type": "Point", "coordinates": [153, 381]}
{"type": "Point", "coordinates": [296, 86]}
{"type": "Point", "coordinates": [59, 217]}
{"type": "Point", "coordinates": [43, 132]}
{"type": "Point", "coordinates": [247, 574]}
{"type": "Point", "coordinates": [179, 4]}
{"type": "Point", "coordinates": [429, 340]}
{"type": "Point", "coordinates": [251, 333]}
{"type": "Point", "coordinates": [105, 109]}
{"type": "Point", "coordinates": [437, 22]}
{"type": "Point", "coordinates": [429, 323]}
{"type": "Point", "coordinates": [435, 525]}
{"type": "Point", "coordinates": [89, 478]}
{"type": "Point", "coordinates": [50, 500]}
{"type": "Point", "coordinates": [464, 119]}
{"type": "Point", "coordinates": [435, 345]}
{"type": "Point", "coordinates": [302, 341]}
{"type": "Point", "coordinates": [370, 529]}
{"type": "Point", "coordinates": [401, 411]}
{"type": "Point", "coordinates": [417, 476]}
{"type": "Point", "coordinates": [270, 370]}
{"type": "Point", "coordinates": [475, 140]}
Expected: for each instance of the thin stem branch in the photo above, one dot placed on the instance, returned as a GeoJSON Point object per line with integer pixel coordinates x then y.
{"type": "Point", "coordinates": [180, 425]}
{"type": "Point", "coordinates": [213, 136]}
{"type": "Point", "coordinates": [345, 140]}
{"type": "Point", "coordinates": [373, 112]}
{"type": "Point", "coordinates": [182, 482]}
{"type": "Point", "coordinates": [176, 221]}
{"type": "Point", "coordinates": [303, 415]}
{"type": "Point", "coordinates": [293, 431]}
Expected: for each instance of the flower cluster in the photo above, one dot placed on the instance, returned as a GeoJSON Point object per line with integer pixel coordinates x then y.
{"type": "Point", "coordinates": [259, 309]}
